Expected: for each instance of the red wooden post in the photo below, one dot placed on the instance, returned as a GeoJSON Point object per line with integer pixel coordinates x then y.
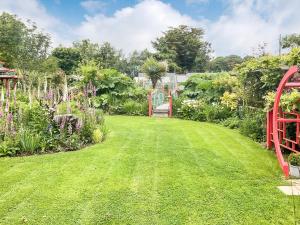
{"type": "Point", "coordinates": [276, 111]}
{"type": "Point", "coordinates": [15, 92]}
{"type": "Point", "coordinates": [7, 86]}
{"type": "Point", "coordinates": [269, 128]}
{"type": "Point", "coordinates": [170, 104]}
{"type": "Point", "coordinates": [150, 104]}
{"type": "Point", "coordinates": [297, 130]}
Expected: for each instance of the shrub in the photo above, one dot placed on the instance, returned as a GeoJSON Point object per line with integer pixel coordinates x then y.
{"type": "Point", "coordinates": [86, 132]}
{"type": "Point", "coordinates": [294, 159]}
{"type": "Point", "coordinates": [71, 143]}
{"type": "Point", "coordinates": [252, 125]}
{"type": "Point", "coordinates": [35, 118]}
{"type": "Point", "coordinates": [97, 136]}
{"type": "Point", "coordinates": [216, 112]}
{"type": "Point", "coordinates": [29, 142]}
{"type": "Point", "coordinates": [231, 122]}
{"type": "Point", "coordinates": [191, 110]}
{"type": "Point", "coordinates": [104, 130]}
{"type": "Point", "coordinates": [132, 108]}
{"type": "Point", "coordinates": [9, 147]}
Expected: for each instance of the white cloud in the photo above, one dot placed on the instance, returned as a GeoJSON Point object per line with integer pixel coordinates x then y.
{"type": "Point", "coordinates": [248, 23]}
{"type": "Point", "coordinates": [243, 25]}
{"type": "Point", "coordinates": [133, 27]}
{"type": "Point", "coordinates": [93, 5]}
{"type": "Point", "coordinates": [36, 12]}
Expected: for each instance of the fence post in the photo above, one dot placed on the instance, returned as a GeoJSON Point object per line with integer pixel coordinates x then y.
{"type": "Point", "coordinates": [170, 103]}
{"type": "Point", "coordinates": [150, 104]}
{"type": "Point", "coordinates": [269, 128]}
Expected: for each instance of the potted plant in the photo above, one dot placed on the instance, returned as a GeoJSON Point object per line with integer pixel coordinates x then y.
{"type": "Point", "coordinates": [294, 160]}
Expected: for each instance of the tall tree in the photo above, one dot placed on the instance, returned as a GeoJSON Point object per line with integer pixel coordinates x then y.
{"type": "Point", "coordinates": [183, 45]}
{"type": "Point", "coordinates": [68, 58]}
{"type": "Point", "coordinates": [135, 61]}
{"type": "Point", "coordinates": [87, 49]}
{"type": "Point", "coordinates": [108, 56]}
{"type": "Point", "coordinates": [291, 41]}
{"type": "Point", "coordinates": [105, 55]}
{"type": "Point", "coordinates": [22, 45]}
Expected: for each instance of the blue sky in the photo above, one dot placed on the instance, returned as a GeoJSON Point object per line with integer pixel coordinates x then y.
{"type": "Point", "coordinates": [73, 12]}
{"type": "Point", "coordinates": [231, 26]}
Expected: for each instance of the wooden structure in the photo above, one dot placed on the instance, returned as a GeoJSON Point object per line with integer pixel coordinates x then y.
{"type": "Point", "coordinates": [160, 104]}
{"type": "Point", "coordinates": [278, 121]}
{"type": "Point", "coordinates": [8, 78]}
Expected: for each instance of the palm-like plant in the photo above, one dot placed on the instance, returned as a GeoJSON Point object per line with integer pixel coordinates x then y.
{"type": "Point", "coordinates": [154, 70]}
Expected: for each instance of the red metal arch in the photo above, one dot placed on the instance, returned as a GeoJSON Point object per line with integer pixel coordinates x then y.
{"type": "Point", "coordinates": [276, 121]}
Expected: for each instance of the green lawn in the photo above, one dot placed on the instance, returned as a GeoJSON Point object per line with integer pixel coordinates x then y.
{"type": "Point", "coordinates": [149, 171]}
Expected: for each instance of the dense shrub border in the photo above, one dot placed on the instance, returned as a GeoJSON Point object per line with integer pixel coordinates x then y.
{"type": "Point", "coordinates": [37, 128]}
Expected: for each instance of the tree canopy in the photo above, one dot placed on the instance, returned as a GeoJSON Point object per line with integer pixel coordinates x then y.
{"type": "Point", "coordinates": [291, 41]}
{"type": "Point", "coordinates": [183, 46]}
{"type": "Point", "coordinates": [22, 45]}
{"type": "Point", "coordinates": [68, 58]}
{"type": "Point", "coordinates": [224, 63]}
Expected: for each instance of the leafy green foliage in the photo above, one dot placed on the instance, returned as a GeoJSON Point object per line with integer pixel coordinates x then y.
{"type": "Point", "coordinates": [257, 77]}
{"type": "Point", "coordinates": [201, 111]}
{"type": "Point", "coordinates": [115, 92]}
{"type": "Point", "coordinates": [34, 118]}
{"type": "Point", "coordinates": [68, 58]}
{"type": "Point", "coordinates": [289, 101]}
{"type": "Point", "coordinates": [22, 46]}
{"type": "Point", "coordinates": [216, 112]}
{"type": "Point", "coordinates": [232, 122]}
{"type": "Point", "coordinates": [183, 46]}
{"type": "Point", "coordinates": [294, 159]}
{"type": "Point", "coordinates": [104, 130]}
{"type": "Point", "coordinates": [97, 136]}
{"type": "Point", "coordinates": [35, 129]}
{"type": "Point", "coordinates": [291, 41]}
{"type": "Point", "coordinates": [134, 108]}
{"type": "Point", "coordinates": [209, 86]}
{"type": "Point", "coordinates": [135, 62]}
{"type": "Point", "coordinates": [227, 63]}
{"type": "Point", "coordinates": [229, 100]}
{"type": "Point", "coordinates": [9, 146]}
{"type": "Point", "coordinates": [253, 125]}
{"type": "Point", "coordinates": [29, 142]}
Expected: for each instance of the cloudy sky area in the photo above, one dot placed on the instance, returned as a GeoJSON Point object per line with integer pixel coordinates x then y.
{"type": "Point", "coordinates": [232, 26]}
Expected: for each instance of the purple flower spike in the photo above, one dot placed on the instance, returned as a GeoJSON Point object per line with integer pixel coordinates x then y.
{"type": "Point", "coordinates": [94, 90]}
{"type": "Point", "coordinates": [63, 122]}
{"type": "Point", "coordinates": [78, 125]}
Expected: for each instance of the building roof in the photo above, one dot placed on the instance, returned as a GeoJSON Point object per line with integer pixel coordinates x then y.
{"type": "Point", "coordinates": [3, 69]}
{"type": "Point", "coordinates": [5, 77]}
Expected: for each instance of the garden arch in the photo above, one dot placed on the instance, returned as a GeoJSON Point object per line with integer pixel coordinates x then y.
{"type": "Point", "coordinates": [7, 76]}
{"type": "Point", "coordinates": [277, 121]}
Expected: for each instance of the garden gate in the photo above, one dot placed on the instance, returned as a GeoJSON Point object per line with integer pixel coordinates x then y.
{"type": "Point", "coordinates": [160, 103]}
